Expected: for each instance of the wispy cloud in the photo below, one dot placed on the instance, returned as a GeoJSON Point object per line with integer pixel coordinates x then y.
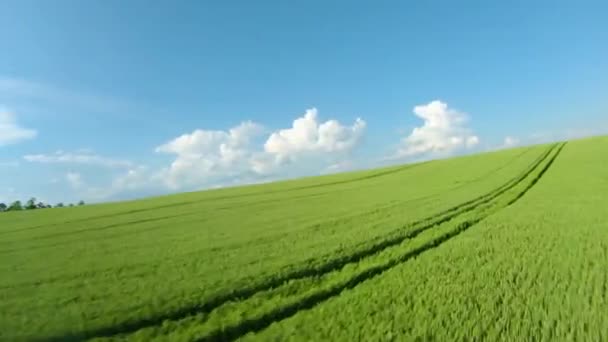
{"type": "Point", "coordinates": [32, 93]}
{"type": "Point", "coordinates": [508, 142]}
{"type": "Point", "coordinates": [82, 157]}
{"type": "Point", "coordinates": [342, 166]}
{"type": "Point", "coordinates": [136, 182]}
{"type": "Point", "coordinates": [74, 179]}
{"type": "Point", "coordinates": [11, 132]}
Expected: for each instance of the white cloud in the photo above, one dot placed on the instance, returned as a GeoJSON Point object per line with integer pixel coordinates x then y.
{"type": "Point", "coordinates": [510, 142]}
{"type": "Point", "coordinates": [244, 154]}
{"type": "Point", "coordinates": [11, 132]}
{"type": "Point", "coordinates": [264, 163]}
{"type": "Point", "coordinates": [74, 179]}
{"type": "Point", "coordinates": [206, 158]}
{"type": "Point", "coordinates": [82, 157]}
{"type": "Point", "coordinates": [225, 144]}
{"type": "Point", "coordinates": [135, 182]}
{"type": "Point", "coordinates": [204, 154]}
{"type": "Point", "coordinates": [308, 135]}
{"type": "Point", "coordinates": [444, 131]}
{"type": "Point", "coordinates": [308, 146]}
{"type": "Point", "coordinates": [342, 166]}
{"type": "Point", "coordinates": [137, 179]}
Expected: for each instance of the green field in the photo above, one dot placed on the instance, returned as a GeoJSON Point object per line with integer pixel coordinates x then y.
{"type": "Point", "coordinates": [506, 245]}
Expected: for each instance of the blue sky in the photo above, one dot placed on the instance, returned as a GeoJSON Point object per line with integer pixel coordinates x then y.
{"type": "Point", "coordinates": [108, 100]}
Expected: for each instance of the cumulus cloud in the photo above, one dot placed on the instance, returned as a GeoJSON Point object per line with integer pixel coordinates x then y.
{"type": "Point", "coordinates": [226, 145]}
{"type": "Point", "coordinates": [444, 130]}
{"type": "Point", "coordinates": [244, 154]}
{"type": "Point", "coordinates": [264, 163]}
{"type": "Point", "coordinates": [11, 132]}
{"type": "Point", "coordinates": [204, 154]}
{"type": "Point", "coordinates": [308, 140]}
{"type": "Point", "coordinates": [206, 157]}
{"type": "Point", "coordinates": [83, 157]}
{"type": "Point", "coordinates": [308, 135]}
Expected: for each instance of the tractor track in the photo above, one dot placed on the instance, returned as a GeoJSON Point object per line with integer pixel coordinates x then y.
{"type": "Point", "coordinates": [230, 333]}
{"type": "Point", "coordinates": [281, 313]}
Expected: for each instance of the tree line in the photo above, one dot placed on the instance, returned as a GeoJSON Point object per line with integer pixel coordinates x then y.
{"type": "Point", "coordinates": [32, 204]}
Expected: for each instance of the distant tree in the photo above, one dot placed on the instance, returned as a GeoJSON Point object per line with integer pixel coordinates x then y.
{"type": "Point", "coordinates": [31, 204]}
{"type": "Point", "coordinates": [40, 205]}
{"type": "Point", "coordinates": [81, 202]}
{"type": "Point", "coordinates": [3, 207]}
{"type": "Point", "coordinates": [15, 206]}
{"type": "Point", "coordinates": [49, 206]}
{"type": "Point", "coordinates": [59, 205]}
{"type": "Point", "coordinates": [71, 205]}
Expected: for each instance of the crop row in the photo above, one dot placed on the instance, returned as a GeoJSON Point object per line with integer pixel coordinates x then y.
{"type": "Point", "coordinates": [135, 272]}
{"type": "Point", "coordinates": [253, 308]}
{"type": "Point", "coordinates": [532, 271]}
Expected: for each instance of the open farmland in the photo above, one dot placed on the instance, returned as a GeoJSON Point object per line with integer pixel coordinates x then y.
{"type": "Point", "coordinates": [503, 245]}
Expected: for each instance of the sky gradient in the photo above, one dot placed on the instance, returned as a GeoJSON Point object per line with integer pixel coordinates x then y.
{"type": "Point", "coordinates": [110, 100]}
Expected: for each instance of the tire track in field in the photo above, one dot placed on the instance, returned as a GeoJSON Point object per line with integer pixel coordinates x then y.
{"type": "Point", "coordinates": [259, 323]}
{"type": "Point", "coordinates": [182, 203]}
{"type": "Point", "coordinates": [538, 177]}
{"type": "Point", "coordinates": [375, 175]}
{"type": "Point", "coordinates": [72, 277]}
{"type": "Point", "coordinates": [180, 215]}
{"type": "Point", "coordinates": [194, 213]}
{"type": "Point", "coordinates": [498, 169]}
{"type": "Point", "coordinates": [317, 270]}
